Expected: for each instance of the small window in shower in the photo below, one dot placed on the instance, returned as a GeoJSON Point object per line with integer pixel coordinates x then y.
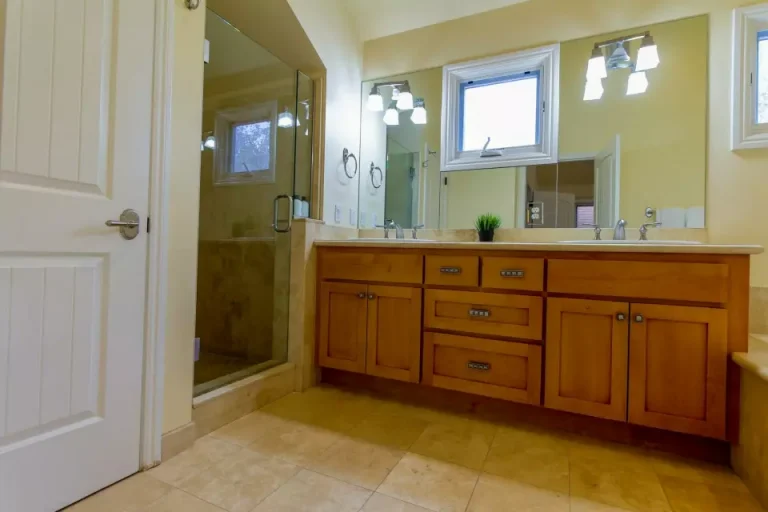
{"type": "Point", "coordinates": [251, 151]}
{"type": "Point", "coordinates": [246, 140]}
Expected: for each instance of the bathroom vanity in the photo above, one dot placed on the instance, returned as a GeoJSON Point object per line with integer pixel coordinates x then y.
{"type": "Point", "coordinates": [636, 333]}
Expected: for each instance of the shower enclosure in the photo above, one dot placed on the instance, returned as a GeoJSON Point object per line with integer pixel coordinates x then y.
{"type": "Point", "coordinates": [256, 149]}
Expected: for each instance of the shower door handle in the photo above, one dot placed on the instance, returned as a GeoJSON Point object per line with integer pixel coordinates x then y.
{"type": "Point", "coordinates": [276, 224]}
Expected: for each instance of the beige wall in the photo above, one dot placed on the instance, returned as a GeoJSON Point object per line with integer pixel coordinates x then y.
{"type": "Point", "coordinates": [334, 35]}
{"type": "Point", "coordinates": [186, 116]}
{"type": "Point", "coordinates": [663, 132]}
{"type": "Point", "coordinates": [472, 193]}
{"type": "Point", "coordinates": [735, 181]}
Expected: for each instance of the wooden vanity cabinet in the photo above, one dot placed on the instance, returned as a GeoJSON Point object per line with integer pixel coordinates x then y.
{"type": "Point", "coordinates": [371, 329]}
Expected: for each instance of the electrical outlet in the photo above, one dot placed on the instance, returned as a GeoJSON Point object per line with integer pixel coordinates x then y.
{"type": "Point", "coordinates": [337, 214]}
{"type": "Point", "coordinates": [197, 349]}
{"type": "Point", "coordinates": [352, 217]}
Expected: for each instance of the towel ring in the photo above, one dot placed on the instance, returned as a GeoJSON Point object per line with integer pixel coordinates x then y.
{"type": "Point", "coordinates": [192, 4]}
{"type": "Point", "coordinates": [345, 156]}
{"type": "Point", "coordinates": [381, 176]}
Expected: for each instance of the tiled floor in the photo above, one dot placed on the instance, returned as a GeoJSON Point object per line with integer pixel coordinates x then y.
{"type": "Point", "coordinates": [332, 451]}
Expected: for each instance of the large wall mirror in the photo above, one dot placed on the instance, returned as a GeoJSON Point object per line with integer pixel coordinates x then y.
{"type": "Point", "coordinates": [632, 140]}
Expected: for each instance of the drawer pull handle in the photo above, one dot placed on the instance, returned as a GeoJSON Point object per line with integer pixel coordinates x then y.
{"type": "Point", "coordinates": [513, 273]}
{"type": "Point", "coordinates": [450, 270]}
{"type": "Point", "coordinates": [479, 313]}
{"type": "Point", "coordinates": [476, 365]}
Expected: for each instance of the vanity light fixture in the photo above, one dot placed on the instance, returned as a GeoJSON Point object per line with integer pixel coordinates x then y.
{"type": "Point", "coordinates": [405, 98]}
{"type": "Point", "coordinates": [594, 90]}
{"type": "Point", "coordinates": [648, 56]}
{"type": "Point", "coordinates": [638, 83]}
{"type": "Point", "coordinates": [285, 119]}
{"type": "Point", "coordinates": [375, 100]}
{"type": "Point", "coordinates": [209, 142]}
{"type": "Point", "coordinates": [392, 116]}
{"type": "Point", "coordinates": [597, 69]}
{"type": "Point", "coordinates": [419, 115]}
{"type": "Point", "coordinates": [619, 58]}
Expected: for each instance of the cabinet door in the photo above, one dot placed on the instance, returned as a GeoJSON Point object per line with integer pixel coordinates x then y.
{"type": "Point", "coordinates": [343, 323]}
{"type": "Point", "coordinates": [677, 369]}
{"type": "Point", "coordinates": [586, 357]}
{"type": "Point", "coordinates": [394, 332]}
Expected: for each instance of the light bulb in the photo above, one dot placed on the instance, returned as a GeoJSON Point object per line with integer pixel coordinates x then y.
{"type": "Point", "coordinates": [392, 116]}
{"type": "Point", "coordinates": [405, 101]}
{"type": "Point", "coordinates": [375, 101]}
{"type": "Point", "coordinates": [596, 69]}
{"type": "Point", "coordinates": [594, 90]}
{"type": "Point", "coordinates": [648, 56]}
{"type": "Point", "coordinates": [638, 83]}
{"type": "Point", "coordinates": [285, 119]}
{"type": "Point", "coordinates": [210, 142]}
{"type": "Point", "coordinates": [419, 115]}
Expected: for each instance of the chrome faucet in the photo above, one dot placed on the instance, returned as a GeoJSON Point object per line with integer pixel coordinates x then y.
{"type": "Point", "coordinates": [619, 232]}
{"type": "Point", "coordinates": [415, 229]}
{"type": "Point", "coordinates": [390, 224]}
{"type": "Point", "coordinates": [644, 230]}
{"type": "Point", "coordinates": [596, 227]}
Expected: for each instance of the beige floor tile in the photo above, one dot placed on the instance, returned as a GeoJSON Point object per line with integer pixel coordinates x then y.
{"type": "Point", "coordinates": [427, 414]}
{"type": "Point", "coordinates": [312, 492]}
{"type": "Point", "coordinates": [530, 457]}
{"type": "Point", "coordinates": [205, 452]}
{"type": "Point", "coordinates": [249, 428]}
{"type": "Point", "coordinates": [239, 482]}
{"type": "Point", "coordinates": [357, 462]}
{"type": "Point", "coordinates": [179, 501]}
{"type": "Point", "coordinates": [297, 443]}
{"type": "Point", "coordinates": [460, 442]}
{"type": "Point", "coordinates": [497, 494]}
{"type": "Point", "coordinates": [386, 427]}
{"type": "Point", "coordinates": [587, 450]}
{"type": "Point", "coordinates": [585, 505]}
{"type": "Point", "coordinates": [130, 495]}
{"type": "Point", "coordinates": [633, 488]}
{"type": "Point", "coordinates": [697, 472]}
{"type": "Point", "coordinates": [430, 483]}
{"type": "Point", "coordinates": [328, 408]}
{"type": "Point", "coordinates": [383, 503]}
{"type": "Point", "coordinates": [687, 496]}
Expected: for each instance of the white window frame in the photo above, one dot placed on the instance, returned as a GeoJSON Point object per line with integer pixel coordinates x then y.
{"type": "Point", "coordinates": [545, 60]}
{"type": "Point", "coordinates": [226, 121]}
{"type": "Point", "coordinates": [746, 133]}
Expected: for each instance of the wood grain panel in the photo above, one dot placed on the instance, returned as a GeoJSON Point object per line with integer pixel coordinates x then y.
{"type": "Point", "coordinates": [495, 273]}
{"type": "Point", "coordinates": [343, 326]}
{"type": "Point", "coordinates": [394, 333]}
{"type": "Point", "coordinates": [509, 316]}
{"type": "Point", "coordinates": [586, 363]}
{"type": "Point", "coordinates": [694, 282]}
{"type": "Point", "coordinates": [497, 369]}
{"type": "Point", "coordinates": [405, 267]}
{"type": "Point", "coordinates": [440, 270]}
{"type": "Point", "coordinates": [677, 373]}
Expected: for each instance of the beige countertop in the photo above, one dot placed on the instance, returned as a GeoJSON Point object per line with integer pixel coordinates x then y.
{"type": "Point", "coordinates": [586, 246]}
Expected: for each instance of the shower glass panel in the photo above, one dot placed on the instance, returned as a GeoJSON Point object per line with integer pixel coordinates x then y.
{"type": "Point", "coordinates": [249, 152]}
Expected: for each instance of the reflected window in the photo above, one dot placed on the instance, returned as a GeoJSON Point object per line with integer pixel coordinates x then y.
{"type": "Point", "coordinates": [585, 215]}
{"type": "Point", "coordinates": [504, 109]}
{"type": "Point", "coordinates": [246, 140]}
{"type": "Point", "coordinates": [762, 77]}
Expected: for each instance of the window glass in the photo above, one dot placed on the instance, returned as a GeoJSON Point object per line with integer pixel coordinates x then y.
{"type": "Point", "coordinates": [762, 77]}
{"type": "Point", "coordinates": [504, 109]}
{"type": "Point", "coordinates": [251, 149]}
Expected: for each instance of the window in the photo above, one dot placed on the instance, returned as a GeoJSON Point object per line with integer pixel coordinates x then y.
{"type": "Point", "coordinates": [246, 143]}
{"type": "Point", "coordinates": [585, 215]}
{"type": "Point", "coordinates": [511, 100]}
{"type": "Point", "coordinates": [750, 79]}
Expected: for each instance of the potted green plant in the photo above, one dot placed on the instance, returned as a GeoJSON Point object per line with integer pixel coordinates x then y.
{"type": "Point", "coordinates": [486, 224]}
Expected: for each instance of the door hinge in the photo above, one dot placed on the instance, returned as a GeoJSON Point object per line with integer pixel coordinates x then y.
{"type": "Point", "coordinates": [751, 79]}
{"type": "Point", "coordinates": [149, 224]}
{"type": "Point", "coordinates": [544, 107]}
{"type": "Point", "coordinates": [445, 181]}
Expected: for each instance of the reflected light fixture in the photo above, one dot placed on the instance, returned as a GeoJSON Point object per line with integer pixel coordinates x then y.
{"type": "Point", "coordinates": [392, 116]}
{"type": "Point", "coordinates": [594, 90]}
{"type": "Point", "coordinates": [596, 69]}
{"type": "Point", "coordinates": [209, 142]}
{"type": "Point", "coordinates": [405, 99]}
{"type": "Point", "coordinates": [285, 119]}
{"type": "Point", "coordinates": [638, 83]}
{"type": "Point", "coordinates": [419, 115]}
{"type": "Point", "coordinates": [648, 56]}
{"type": "Point", "coordinates": [375, 100]}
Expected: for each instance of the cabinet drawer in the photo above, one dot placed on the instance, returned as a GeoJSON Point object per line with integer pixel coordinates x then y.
{"type": "Point", "coordinates": [509, 316]}
{"type": "Point", "coordinates": [513, 274]}
{"type": "Point", "coordinates": [695, 282]}
{"type": "Point", "coordinates": [452, 270]}
{"type": "Point", "coordinates": [371, 266]}
{"type": "Point", "coordinates": [498, 369]}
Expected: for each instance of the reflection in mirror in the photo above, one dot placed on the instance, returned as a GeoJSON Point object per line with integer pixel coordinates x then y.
{"type": "Point", "coordinates": [632, 136]}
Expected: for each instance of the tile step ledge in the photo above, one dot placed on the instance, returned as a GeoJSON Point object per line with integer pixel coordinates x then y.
{"type": "Point", "coordinates": [756, 360]}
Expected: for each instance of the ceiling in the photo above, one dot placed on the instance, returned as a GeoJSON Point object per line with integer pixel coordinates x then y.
{"type": "Point", "coordinates": [380, 18]}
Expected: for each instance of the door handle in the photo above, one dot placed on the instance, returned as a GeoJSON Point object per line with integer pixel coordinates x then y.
{"type": "Point", "coordinates": [129, 224]}
{"type": "Point", "coordinates": [275, 212]}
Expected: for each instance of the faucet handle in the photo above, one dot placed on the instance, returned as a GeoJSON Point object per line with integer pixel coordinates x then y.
{"type": "Point", "coordinates": [596, 227]}
{"type": "Point", "coordinates": [386, 228]}
{"type": "Point", "coordinates": [416, 228]}
{"type": "Point", "coordinates": [644, 230]}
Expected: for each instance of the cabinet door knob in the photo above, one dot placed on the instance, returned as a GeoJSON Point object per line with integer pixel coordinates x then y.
{"type": "Point", "coordinates": [361, 295]}
{"type": "Point", "coordinates": [621, 317]}
{"type": "Point", "coordinates": [371, 296]}
{"type": "Point", "coordinates": [639, 319]}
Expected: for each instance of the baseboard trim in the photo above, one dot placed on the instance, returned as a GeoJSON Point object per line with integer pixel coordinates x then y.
{"type": "Point", "coordinates": [176, 441]}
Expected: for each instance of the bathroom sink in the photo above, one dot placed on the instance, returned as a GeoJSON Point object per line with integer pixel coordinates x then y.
{"type": "Point", "coordinates": [633, 242]}
{"type": "Point", "coordinates": [406, 240]}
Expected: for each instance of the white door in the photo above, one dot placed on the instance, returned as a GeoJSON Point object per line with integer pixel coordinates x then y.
{"type": "Point", "coordinates": [76, 90]}
{"type": "Point", "coordinates": [608, 184]}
